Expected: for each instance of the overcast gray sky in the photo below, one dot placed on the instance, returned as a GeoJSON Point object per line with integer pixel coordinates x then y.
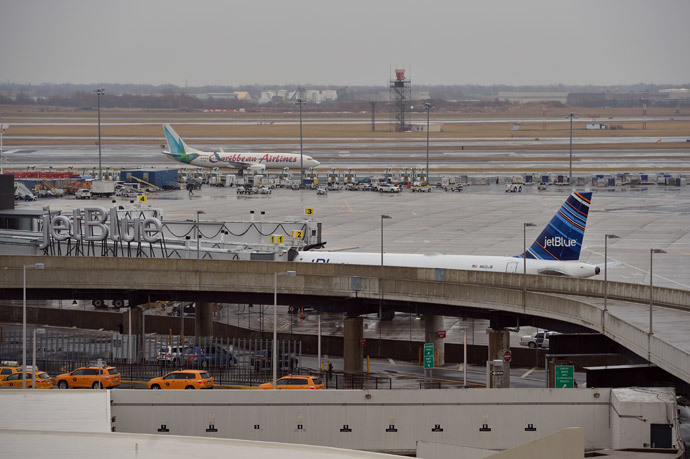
{"type": "Point", "coordinates": [350, 42]}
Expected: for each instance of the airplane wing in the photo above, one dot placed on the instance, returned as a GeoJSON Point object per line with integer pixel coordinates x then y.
{"type": "Point", "coordinates": [236, 164]}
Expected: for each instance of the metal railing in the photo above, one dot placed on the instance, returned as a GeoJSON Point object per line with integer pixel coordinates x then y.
{"type": "Point", "coordinates": [230, 361]}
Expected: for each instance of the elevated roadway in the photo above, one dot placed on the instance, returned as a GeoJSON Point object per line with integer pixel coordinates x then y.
{"type": "Point", "coordinates": [499, 296]}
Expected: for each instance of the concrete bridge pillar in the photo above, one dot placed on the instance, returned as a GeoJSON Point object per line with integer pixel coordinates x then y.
{"type": "Point", "coordinates": [136, 321]}
{"type": "Point", "coordinates": [203, 325]}
{"type": "Point", "coordinates": [432, 325]}
{"type": "Point", "coordinates": [499, 344]}
{"type": "Point", "coordinates": [353, 352]}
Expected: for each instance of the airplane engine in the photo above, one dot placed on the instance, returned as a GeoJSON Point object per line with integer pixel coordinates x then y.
{"type": "Point", "coordinates": [256, 169]}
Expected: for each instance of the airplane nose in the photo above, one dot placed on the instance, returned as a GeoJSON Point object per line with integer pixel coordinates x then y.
{"type": "Point", "coordinates": [597, 270]}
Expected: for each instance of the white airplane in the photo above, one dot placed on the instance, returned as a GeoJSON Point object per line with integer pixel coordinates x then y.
{"type": "Point", "coordinates": [555, 252]}
{"type": "Point", "coordinates": [252, 162]}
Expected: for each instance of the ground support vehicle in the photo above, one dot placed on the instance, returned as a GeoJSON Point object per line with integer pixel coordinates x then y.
{"type": "Point", "coordinates": [83, 193]}
{"type": "Point", "coordinates": [388, 188]}
{"type": "Point", "coordinates": [514, 188]}
{"type": "Point", "coordinates": [453, 187]}
{"type": "Point", "coordinates": [103, 188]}
{"type": "Point", "coordinates": [246, 189]}
{"type": "Point", "coordinates": [420, 188]}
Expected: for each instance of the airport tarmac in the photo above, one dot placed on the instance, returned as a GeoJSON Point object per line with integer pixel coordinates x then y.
{"type": "Point", "coordinates": [482, 219]}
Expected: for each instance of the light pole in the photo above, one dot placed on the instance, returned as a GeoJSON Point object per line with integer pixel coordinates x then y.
{"type": "Point", "coordinates": [274, 357]}
{"type": "Point", "coordinates": [383, 217]}
{"type": "Point", "coordinates": [606, 260]}
{"type": "Point", "coordinates": [198, 237]}
{"type": "Point", "coordinates": [34, 266]}
{"type": "Point", "coordinates": [524, 260]}
{"type": "Point", "coordinates": [427, 106]}
{"type": "Point", "coordinates": [99, 92]}
{"type": "Point", "coordinates": [301, 152]}
{"type": "Point", "coordinates": [651, 288]}
{"type": "Point", "coordinates": [570, 175]}
{"type": "Point", "coordinates": [39, 331]}
{"type": "Point", "coordinates": [3, 128]}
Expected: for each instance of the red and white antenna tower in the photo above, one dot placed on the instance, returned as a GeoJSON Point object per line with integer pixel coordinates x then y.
{"type": "Point", "coordinates": [644, 111]}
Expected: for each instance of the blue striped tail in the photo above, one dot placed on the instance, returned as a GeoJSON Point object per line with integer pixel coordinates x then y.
{"type": "Point", "coordinates": [562, 237]}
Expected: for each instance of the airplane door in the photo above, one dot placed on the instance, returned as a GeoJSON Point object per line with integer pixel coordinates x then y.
{"type": "Point", "coordinates": [511, 266]}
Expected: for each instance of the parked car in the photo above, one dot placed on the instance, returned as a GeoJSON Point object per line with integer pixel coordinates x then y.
{"type": "Point", "coordinates": [43, 380]}
{"type": "Point", "coordinates": [537, 340]}
{"type": "Point", "coordinates": [183, 379]}
{"type": "Point", "coordinates": [90, 377]}
{"type": "Point", "coordinates": [211, 356]}
{"type": "Point", "coordinates": [295, 382]}
{"type": "Point", "coordinates": [173, 355]}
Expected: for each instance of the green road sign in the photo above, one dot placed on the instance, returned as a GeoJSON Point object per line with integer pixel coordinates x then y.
{"type": "Point", "coordinates": [565, 376]}
{"type": "Point", "coordinates": [428, 355]}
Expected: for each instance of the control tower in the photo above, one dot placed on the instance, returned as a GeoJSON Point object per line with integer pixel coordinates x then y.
{"type": "Point", "coordinates": [400, 94]}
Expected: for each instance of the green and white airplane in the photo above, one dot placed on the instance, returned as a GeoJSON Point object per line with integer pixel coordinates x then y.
{"type": "Point", "coordinates": [252, 162]}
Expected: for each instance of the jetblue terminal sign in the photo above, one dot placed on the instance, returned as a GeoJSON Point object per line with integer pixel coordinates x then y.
{"type": "Point", "coordinates": [96, 224]}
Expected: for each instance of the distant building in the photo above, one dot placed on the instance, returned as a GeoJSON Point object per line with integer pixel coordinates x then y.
{"type": "Point", "coordinates": [421, 127]}
{"type": "Point", "coordinates": [681, 93]}
{"type": "Point", "coordinates": [538, 96]}
{"type": "Point", "coordinates": [314, 96]}
{"type": "Point", "coordinates": [594, 125]}
{"type": "Point", "coordinates": [235, 95]}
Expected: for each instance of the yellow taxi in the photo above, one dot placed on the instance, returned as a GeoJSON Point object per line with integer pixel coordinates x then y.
{"type": "Point", "coordinates": [7, 368]}
{"type": "Point", "coordinates": [90, 377]}
{"type": "Point", "coordinates": [43, 380]}
{"type": "Point", "coordinates": [296, 382]}
{"type": "Point", "coordinates": [183, 379]}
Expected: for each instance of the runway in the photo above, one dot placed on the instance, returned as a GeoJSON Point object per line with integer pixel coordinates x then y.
{"type": "Point", "coordinates": [374, 157]}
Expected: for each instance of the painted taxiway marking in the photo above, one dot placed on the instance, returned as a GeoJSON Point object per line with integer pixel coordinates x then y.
{"type": "Point", "coordinates": [349, 209]}
{"type": "Point", "coordinates": [391, 361]}
{"type": "Point", "coordinates": [527, 373]}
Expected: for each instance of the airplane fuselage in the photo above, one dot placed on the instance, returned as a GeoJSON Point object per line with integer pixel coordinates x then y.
{"type": "Point", "coordinates": [463, 262]}
{"type": "Point", "coordinates": [267, 160]}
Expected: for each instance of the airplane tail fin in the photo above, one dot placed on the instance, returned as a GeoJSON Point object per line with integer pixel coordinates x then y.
{"type": "Point", "coordinates": [176, 146]}
{"type": "Point", "coordinates": [177, 149]}
{"type": "Point", "coordinates": [562, 237]}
